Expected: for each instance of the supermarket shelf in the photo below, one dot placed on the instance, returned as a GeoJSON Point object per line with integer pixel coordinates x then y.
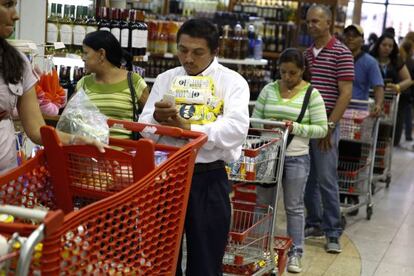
{"type": "Point", "coordinates": [247, 61]}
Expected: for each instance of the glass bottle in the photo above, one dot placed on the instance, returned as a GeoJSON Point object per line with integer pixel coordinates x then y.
{"type": "Point", "coordinates": [115, 24]}
{"type": "Point", "coordinates": [66, 30]}
{"type": "Point", "coordinates": [104, 24]}
{"type": "Point", "coordinates": [79, 30]}
{"type": "Point", "coordinates": [125, 30]}
{"type": "Point", "coordinates": [91, 22]}
{"type": "Point", "coordinates": [52, 25]}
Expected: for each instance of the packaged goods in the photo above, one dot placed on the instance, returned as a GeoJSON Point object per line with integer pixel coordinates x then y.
{"type": "Point", "coordinates": [192, 89]}
{"type": "Point", "coordinates": [196, 114]}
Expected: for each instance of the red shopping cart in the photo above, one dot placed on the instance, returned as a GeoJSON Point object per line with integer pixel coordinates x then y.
{"type": "Point", "coordinates": [131, 224]}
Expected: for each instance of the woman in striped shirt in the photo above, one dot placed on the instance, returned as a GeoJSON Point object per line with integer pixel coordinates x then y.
{"type": "Point", "coordinates": [282, 100]}
{"type": "Point", "coordinates": [106, 83]}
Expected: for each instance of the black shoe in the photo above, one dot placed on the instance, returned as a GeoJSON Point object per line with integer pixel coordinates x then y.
{"type": "Point", "coordinates": [332, 245]}
{"type": "Point", "coordinates": [409, 139]}
{"type": "Point", "coordinates": [313, 232]}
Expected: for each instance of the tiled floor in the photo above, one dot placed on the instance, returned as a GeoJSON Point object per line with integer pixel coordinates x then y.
{"type": "Point", "coordinates": [382, 246]}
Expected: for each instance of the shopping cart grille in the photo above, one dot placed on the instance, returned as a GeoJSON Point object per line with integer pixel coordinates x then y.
{"type": "Point", "coordinates": [258, 161]}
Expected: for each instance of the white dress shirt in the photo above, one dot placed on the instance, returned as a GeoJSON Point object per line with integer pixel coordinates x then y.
{"type": "Point", "coordinates": [227, 134]}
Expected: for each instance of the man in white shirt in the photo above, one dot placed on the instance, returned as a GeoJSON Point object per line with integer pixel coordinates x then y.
{"type": "Point", "coordinates": [208, 213]}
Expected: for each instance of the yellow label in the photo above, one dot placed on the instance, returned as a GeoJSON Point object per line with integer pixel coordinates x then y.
{"type": "Point", "coordinates": [6, 218]}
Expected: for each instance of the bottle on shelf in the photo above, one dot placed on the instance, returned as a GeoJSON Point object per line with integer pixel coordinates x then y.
{"type": "Point", "coordinates": [104, 24]}
{"type": "Point", "coordinates": [79, 30]}
{"type": "Point", "coordinates": [125, 30]}
{"type": "Point", "coordinates": [237, 39]}
{"type": "Point", "coordinates": [115, 24]}
{"type": "Point", "coordinates": [251, 35]}
{"type": "Point", "coordinates": [52, 25]}
{"type": "Point", "coordinates": [91, 22]}
{"type": "Point", "coordinates": [143, 42]}
{"type": "Point", "coordinates": [162, 38]}
{"type": "Point", "coordinates": [172, 37]}
{"type": "Point", "coordinates": [258, 48]}
{"type": "Point", "coordinates": [66, 31]}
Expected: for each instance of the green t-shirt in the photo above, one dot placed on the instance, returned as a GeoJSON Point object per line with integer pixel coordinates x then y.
{"type": "Point", "coordinates": [113, 100]}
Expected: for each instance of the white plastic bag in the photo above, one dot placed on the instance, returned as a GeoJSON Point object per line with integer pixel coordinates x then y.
{"type": "Point", "coordinates": [81, 117]}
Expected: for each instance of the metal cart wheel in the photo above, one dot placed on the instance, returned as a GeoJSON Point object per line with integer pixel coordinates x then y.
{"type": "Point", "coordinates": [353, 200]}
{"type": "Point", "coordinates": [369, 211]}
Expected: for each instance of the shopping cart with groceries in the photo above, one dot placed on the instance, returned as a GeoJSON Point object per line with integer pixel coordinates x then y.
{"type": "Point", "coordinates": [357, 147]}
{"type": "Point", "coordinates": [253, 248]}
{"type": "Point", "coordinates": [72, 210]}
{"type": "Point", "coordinates": [386, 134]}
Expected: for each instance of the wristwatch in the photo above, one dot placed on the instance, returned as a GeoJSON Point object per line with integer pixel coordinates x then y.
{"type": "Point", "coordinates": [331, 125]}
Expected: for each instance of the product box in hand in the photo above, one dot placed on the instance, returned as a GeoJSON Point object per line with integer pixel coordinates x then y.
{"type": "Point", "coordinates": [195, 99]}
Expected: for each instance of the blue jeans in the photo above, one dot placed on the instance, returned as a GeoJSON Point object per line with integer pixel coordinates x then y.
{"type": "Point", "coordinates": [295, 174]}
{"type": "Point", "coordinates": [322, 192]}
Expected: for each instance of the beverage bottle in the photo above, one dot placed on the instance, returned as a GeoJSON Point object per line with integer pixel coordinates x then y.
{"type": "Point", "coordinates": [258, 48]}
{"type": "Point", "coordinates": [115, 24]}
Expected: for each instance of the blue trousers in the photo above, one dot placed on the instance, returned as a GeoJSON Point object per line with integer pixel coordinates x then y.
{"type": "Point", "coordinates": [295, 175]}
{"type": "Point", "coordinates": [207, 223]}
{"type": "Point", "coordinates": [322, 191]}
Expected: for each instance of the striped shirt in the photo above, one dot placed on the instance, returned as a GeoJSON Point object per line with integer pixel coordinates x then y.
{"type": "Point", "coordinates": [271, 106]}
{"type": "Point", "coordinates": [334, 63]}
{"type": "Point", "coordinates": [113, 100]}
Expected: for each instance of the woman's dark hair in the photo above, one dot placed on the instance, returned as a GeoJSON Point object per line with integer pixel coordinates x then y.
{"type": "Point", "coordinates": [405, 50]}
{"type": "Point", "coordinates": [201, 28]}
{"type": "Point", "coordinates": [113, 50]}
{"type": "Point", "coordinates": [295, 56]}
{"type": "Point", "coordinates": [11, 63]}
{"type": "Point", "coordinates": [394, 55]}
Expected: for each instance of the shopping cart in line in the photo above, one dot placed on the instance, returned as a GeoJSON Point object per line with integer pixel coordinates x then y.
{"type": "Point", "coordinates": [386, 134]}
{"type": "Point", "coordinates": [357, 147]}
{"type": "Point", "coordinates": [253, 248]}
{"type": "Point", "coordinates": [133, 211]}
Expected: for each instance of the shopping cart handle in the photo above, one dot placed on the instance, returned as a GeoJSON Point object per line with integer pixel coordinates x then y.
{"type": "Point", "coordinates": [22, 212]}
{"type": "Point", "coordinates": [268, 122]}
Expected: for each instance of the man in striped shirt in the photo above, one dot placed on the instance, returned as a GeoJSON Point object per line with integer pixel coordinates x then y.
{"type": "Point", "coordinates": [332, 72]}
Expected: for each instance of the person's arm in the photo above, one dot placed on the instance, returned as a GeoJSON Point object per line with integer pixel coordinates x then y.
{"type": "Point", "coordinates": [405, 81]}
{"type": "Point", "coordinates": [32, 120]}
{"type": "Point", "coordinates": [379, 99]}
{"type": "Point", "coordinates": [318, 124]}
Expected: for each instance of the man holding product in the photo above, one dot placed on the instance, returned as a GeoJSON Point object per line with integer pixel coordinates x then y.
{"type": "Point", "coordinates": [226, 123]}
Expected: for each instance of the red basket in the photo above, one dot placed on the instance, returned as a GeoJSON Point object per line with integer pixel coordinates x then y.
{"type": "Point", "coordinates": [282, 246]}
{"type": "Point", "coordinates": [134, 228]}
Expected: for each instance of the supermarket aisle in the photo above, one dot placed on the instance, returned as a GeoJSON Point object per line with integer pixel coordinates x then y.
{"type": "Point", "coordinates": [386, 242]}
{"type": "Point", "coordinates": [382, 246]}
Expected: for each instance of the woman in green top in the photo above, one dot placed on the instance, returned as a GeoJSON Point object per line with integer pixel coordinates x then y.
{"type": "Point", "coordinates": [106, 83]}
{"type": "Point", "coordinates": [282, 100]}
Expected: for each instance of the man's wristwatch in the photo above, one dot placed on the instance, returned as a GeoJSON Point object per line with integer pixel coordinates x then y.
{"type": "Point", "coordinates": [331, 125]}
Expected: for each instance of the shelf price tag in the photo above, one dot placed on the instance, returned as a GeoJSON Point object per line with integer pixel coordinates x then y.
{"type": "Point", "coordinates": [59, 45]}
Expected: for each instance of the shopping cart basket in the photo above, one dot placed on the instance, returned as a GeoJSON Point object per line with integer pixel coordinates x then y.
{"type": "Point", "coordinates": [358, 142]}
{"type": "Point", "coordinates": [253, 248]}
{"type": "Point", "coordinates": [134, 230]}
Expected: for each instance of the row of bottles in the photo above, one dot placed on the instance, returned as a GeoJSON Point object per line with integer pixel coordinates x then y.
{"type": "Point", "coordinates": [239, 43]}
{"type": "Point", "coordinates": [281, 11]}
{"type": "Point", "coordinates": [127, 26]}
{"type": "Point", "coordinates": [278, 36]}
{"type": "Point", "coordinates": [162, 36]}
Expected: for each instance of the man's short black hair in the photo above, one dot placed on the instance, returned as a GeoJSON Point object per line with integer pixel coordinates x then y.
{"type": "Point", "coordinates": [201, 28]}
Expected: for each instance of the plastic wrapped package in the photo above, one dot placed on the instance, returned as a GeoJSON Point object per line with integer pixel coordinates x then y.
{"type": "Point", "coordinates": [81, 117]}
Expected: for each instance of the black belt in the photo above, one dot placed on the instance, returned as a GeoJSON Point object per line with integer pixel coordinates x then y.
{"type": "Point", "coordinates": [206, 167]}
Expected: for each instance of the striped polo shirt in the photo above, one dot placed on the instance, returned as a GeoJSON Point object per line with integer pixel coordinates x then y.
{"type": "Point", "coordinates": [334, 63]}
{"type": "Point", "coordinates": [113, 100]}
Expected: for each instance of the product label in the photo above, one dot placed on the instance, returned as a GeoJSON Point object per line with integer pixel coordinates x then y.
{"type": "Point", "coordinates": [117, 33]}
{"type": "Point", "coordinates": [90, 29]}
{"type": "Point", "coordinates": [124, 38]}
{"type": "Point", "coordinates": [66, 34]}
{"type": "Point", "coordinates": [52, 33]}
{"type": "Point", "coordinates": [79, 33]}
{"type": "Point", "coordinates": [105, 29]}
{"type": "Point", "coordinates": [135, 39]}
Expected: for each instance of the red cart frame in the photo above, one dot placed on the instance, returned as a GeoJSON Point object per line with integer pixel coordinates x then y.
{"type": "Point", "coordinates": [133, 226]}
